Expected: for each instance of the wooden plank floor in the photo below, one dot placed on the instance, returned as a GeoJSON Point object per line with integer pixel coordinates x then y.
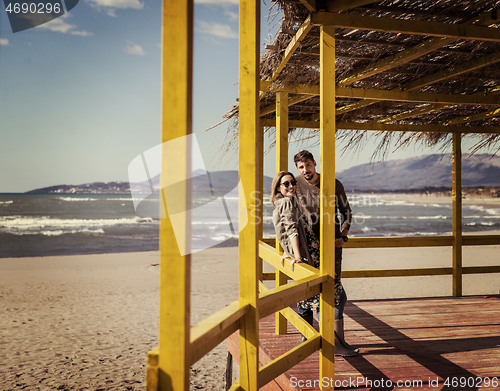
{"type": "Point", "coordinates": [424, 344]}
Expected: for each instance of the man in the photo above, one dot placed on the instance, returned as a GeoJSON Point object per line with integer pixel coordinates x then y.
{"type": "Point", "coordinates": [308, 193]}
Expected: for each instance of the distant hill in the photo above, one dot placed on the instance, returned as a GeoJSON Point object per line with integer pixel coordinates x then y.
{"type": "Point", "coordinates": [423, 172]}
{"type": "Point", "coordinates": [86, 188]}
{"type": "Point", "coordinates": [218, 181]}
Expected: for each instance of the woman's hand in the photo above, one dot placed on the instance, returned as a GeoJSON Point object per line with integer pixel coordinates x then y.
{"type": "Point", "coordinates": [339, 242]}
{"type": "Point", "coordinates": [294, 261]}
{"type": "Point", "coordinates": [283, 257]}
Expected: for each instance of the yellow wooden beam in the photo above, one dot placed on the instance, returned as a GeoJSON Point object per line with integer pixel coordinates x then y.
{"type": "Point", "coordinates": [457, 213]}
{"type": "Point", "coordinates": [152, 370]}
{"type": "Point", "coordinates": [236, 387]}
{"type": "Point", "coordinates": [355, 106]}
{"type": "Point", "coordinates": [293, 45]}
{"type": "Point", "coordinates": [248, 207]}
{"type": "Point", "coordinates": [276, 299]}
{"type": "Point", "coordinates": [282, 104]}
{"type": "Point", "coordinates": [286, 361]}
{"type": "Point", "coordinates": [474, 117]}
{"type": "Point", "coordinates": [175, 267]}
{"type": "Point", "coordinates": [341, 5]}
{"type": "Point", "coordinates": [395, 60]}
{"type": "Point", "coordinates": [480, 240]}
{"type": "Point", "coordinates": [309, 4]}
{"type": "Point", "coordinates": [281, 131]}
{"type": "Point", "coordinates": [384, 127]}
{"type": "Point", "coordinates": [401, 26]}
{"type": "Point", "coordinates": [480, 269]}
{"type": "Point", "coordinates": [397, 95]}
{"type": "Point", "coordinates": [259, 195]}
{"type": "Point", "coordinates": [301, 270]}
{"type": "Point", "coordinates": [469, 66]}
{"type": "Point", "coordinates": [438, 271]}
{"type": "Point", "coordinates": [413, 113]}
{"type": "Point", "coordinates": [399, 241]}
{"type": "Point", "coordinates": [327, 91]}
{"type": "Point", "coordinates": [210, 332]}
{"type": "Point", "coordinates": [291, 101]}
{"type": "Point", "coordinates": [419, 241]}
{"type": "Point", "coordinates": [299, 323]}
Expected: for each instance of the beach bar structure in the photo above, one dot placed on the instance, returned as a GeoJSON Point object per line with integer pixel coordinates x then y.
{"type": "Point", "coordinates": [419, 69]}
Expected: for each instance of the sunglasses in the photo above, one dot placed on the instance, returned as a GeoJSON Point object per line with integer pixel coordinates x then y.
{"type": "Point", "coordinates": [292, 182]}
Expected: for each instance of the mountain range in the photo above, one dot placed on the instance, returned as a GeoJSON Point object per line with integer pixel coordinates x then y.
{"type": "Point", "coordinates": [416, 173]}
{"type": "Point", "coordinates": [422, 172]}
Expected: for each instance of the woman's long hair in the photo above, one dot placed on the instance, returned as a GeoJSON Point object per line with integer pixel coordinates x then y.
{"type": "Point", "coordinates": [275, 192]}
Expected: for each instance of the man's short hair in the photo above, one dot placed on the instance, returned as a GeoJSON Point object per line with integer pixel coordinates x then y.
{"type": "Point", "coordinates": [302, 156]}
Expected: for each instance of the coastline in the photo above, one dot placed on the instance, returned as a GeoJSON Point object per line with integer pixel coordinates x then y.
{"type": "Point", "coordinates": [439, 198]}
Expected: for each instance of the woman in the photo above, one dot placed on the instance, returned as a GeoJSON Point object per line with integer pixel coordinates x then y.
{"type": "Point", "coordinates": [299, 243]}
{"type": "Point", "coordinates": [294, 234]}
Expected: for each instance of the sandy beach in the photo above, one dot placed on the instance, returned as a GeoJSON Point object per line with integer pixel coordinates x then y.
{"type": "Point", "coordinates": [86, 322]}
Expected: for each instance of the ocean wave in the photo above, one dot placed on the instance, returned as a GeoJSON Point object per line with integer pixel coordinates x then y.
{"type": "Point", "coordinates": [418, 233]}
{"type": "Point", "coordinates": [6, 202]}
{"type": "Point", "coordinates": [27, 225]}
{"type": "Point", "coordinates": [74, 231]}
{"type": "Point", "coordinates": [483, 223]}
{"type": "Point", "coordinates": [211, 223]}
{"type": "Point", "coordinates": [87, 199]}
{"type": "Point", "coordinates": [77, 199]}
{"type": "Point", "coordinates": [438, 217]}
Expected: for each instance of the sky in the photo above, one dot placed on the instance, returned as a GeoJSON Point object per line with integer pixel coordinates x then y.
{"type": "Point", "coordinates": [80, 96]}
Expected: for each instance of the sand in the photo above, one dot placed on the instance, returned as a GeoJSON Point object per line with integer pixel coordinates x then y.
{"type": "Point", "coordinates": [86, 322]}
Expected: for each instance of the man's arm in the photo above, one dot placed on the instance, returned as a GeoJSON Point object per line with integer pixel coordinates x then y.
{"type": "Point", "coordinates": [344, 208]}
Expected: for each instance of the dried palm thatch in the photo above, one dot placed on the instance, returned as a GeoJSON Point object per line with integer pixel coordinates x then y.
{"type": "Point", "coordinates": [379, 60]}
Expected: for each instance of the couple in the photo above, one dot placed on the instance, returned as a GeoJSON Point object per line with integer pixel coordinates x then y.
{"type": "Point", "coordinates": [296, 221]}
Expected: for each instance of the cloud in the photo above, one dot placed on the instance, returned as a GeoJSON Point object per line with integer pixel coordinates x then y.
{"type": "Point", "coordinates": [134, 49]}
{"type": "Point", "coordinates": [110, 6]}
{"type": "Point", "coordinates": [59, 25]}
{"type": "Point", "coordinates": [82, 33]}
{"type": "Point", "coordinates": [217, 30]}
{"type": "Point", "coordinates": [233, 16]}
{"type": "Point", "coordinates": [4, 42]}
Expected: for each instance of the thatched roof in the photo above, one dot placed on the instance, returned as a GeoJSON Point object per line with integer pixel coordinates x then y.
{"type": "Point", "coordinates": [392, 61]}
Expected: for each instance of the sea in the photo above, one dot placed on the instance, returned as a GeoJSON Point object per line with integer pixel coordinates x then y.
{"type": "Point", "coordinates": [66, 224]}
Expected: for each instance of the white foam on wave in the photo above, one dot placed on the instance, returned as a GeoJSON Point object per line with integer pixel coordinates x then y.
{"type": "Point", "coordinates": [27, 225]}
{"type": "Point", "coordinates": [87, 199]}
{"type": "Point", "coordinates": [438, 217]}
{"type": "Point", "coordinates": [74, 231]}
{"type": "Point", "coordinates": [6, 202]}
{"type": "Point", "coordinates": [77, 199]}
{"type": "Point", "coordinates": [483, 223]}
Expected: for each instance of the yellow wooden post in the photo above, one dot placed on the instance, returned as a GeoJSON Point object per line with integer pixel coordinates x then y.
{"type": "Point", "coordinates": [175, 268]}
{"type": "Point", "coordinates": [248, 206]}
{"type": "Point", "coordinates": [457, 214]}
{"type": "Point", "coordinates": [260, 195]}
{"type": "Point", "coordinates": [327, 184]}
{"type": "Point", "coordinates": [281, 165]}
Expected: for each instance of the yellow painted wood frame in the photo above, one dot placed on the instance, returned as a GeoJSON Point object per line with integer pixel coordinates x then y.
{"type": "Point", "coordinates": [281, 165]}
{"type": "Point", "coordinates": [249, 77]}
{"type": "Point", "coordinates": [182, 345]}
{"type": "Point", "coordinates": [327, 206]}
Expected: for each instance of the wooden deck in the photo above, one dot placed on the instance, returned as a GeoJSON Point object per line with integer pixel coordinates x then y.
{"type": "Point", "coordinates": [429, 344]}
